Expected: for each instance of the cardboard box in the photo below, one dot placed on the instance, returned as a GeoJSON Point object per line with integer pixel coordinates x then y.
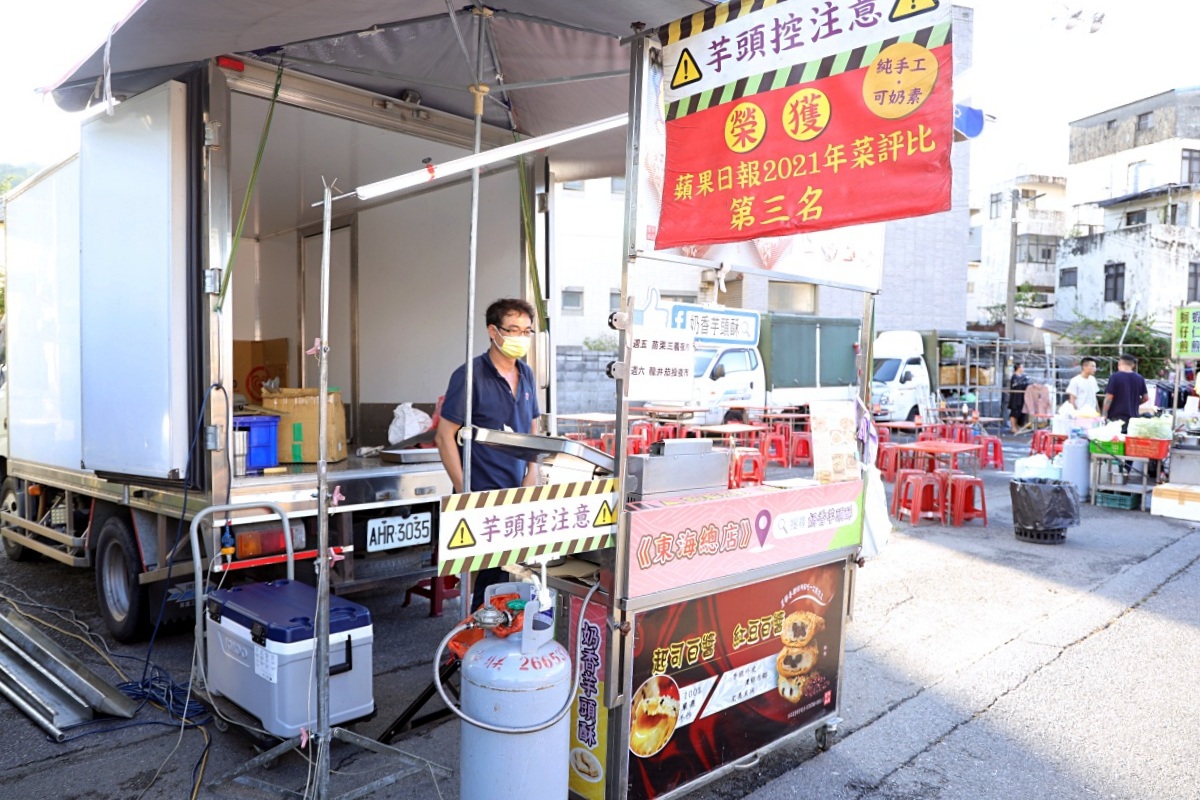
{"type": "Point", "coordinates": [256, 362]}
{"type": "Point", "coordinates": [298, 422]}
{"type": "Point", "coordinates": [1176, 500]}
{"type": "Point", "coordinates": [950, 375]}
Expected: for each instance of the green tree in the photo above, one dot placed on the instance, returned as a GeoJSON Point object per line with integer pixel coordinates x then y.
{"type": "Point", "coordinates": [1152, 348]}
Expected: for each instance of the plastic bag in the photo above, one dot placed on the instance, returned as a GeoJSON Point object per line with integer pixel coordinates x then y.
{"type": "Point", "coordinates": [407, 422]}
{"type": "Point", "coordinates": [1153, 428]}
{"type": "Point", "coordinates": [1042, 504]}
{"type": "Point", "coordinates": [877, 523]}
{"type": "Point", "coordinates": [1110, 432]}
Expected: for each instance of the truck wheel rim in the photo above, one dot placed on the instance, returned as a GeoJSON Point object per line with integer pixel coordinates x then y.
{"type": "Point", "coordinates": [116, 591]}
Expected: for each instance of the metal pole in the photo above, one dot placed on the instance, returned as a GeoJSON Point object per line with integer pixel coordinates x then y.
{"type": "Point", "coordinates": [479, 91]}
{"type": "Point", "coordinates": [321, 628]}
{"type": "Point", "coordinates": [1010, 299]}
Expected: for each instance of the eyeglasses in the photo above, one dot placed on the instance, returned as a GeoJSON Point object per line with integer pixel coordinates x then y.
{"type": "Point", "coordinates": [515, 331]}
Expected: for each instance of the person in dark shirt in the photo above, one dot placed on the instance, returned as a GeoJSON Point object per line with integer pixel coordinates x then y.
{"type": "Point", "coordinates": [1125, 392]}
{"type": "Point", "coordinates": [1016, 399]}
{"type": "Point", "coordinates": [504, 399]}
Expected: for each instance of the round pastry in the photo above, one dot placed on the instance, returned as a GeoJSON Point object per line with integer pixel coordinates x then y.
{"type": "Point", "coordinates": [792, 689]}
{"type": "Point", "coordinates": [795, 661]}
{"type": "Point", "coordinates": [800, 627]}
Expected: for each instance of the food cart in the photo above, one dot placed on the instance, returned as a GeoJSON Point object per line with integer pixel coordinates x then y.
{"type": "Point", "coordinates": [719, 628]}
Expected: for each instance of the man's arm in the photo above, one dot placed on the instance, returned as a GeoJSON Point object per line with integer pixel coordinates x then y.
{"type": "Point", "coordinates": [1108, 398]}
{"type": "Point", "coordinates": [531, 468]}
{"type": "Point", "coordinates": [446, 438]}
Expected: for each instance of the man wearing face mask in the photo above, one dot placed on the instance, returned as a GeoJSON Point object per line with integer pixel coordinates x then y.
{"type": "Point", "coordinates": [504, 398]}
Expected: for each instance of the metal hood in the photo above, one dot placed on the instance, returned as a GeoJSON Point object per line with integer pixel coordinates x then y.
{"type": "Point", "coordinates": [548, 64]}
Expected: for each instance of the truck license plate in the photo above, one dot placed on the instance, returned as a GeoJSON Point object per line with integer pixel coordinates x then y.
{"type": "Point", "coordinates": [390, 533]}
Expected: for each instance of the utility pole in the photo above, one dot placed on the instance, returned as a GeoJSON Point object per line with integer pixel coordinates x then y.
{"type": "Point", "coordinates": [1010, 301]}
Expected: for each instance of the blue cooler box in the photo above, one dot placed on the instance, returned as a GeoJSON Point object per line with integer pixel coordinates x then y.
{"type": "Point", "coordinates": [261, 655]}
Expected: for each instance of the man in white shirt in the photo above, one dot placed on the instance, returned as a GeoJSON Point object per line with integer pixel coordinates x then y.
{"type": "Point", "coordinates": [1082, 389]}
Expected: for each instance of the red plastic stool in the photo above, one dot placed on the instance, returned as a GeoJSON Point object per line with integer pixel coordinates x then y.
{"type": "Point", "coordinates": [964, 489]}
{"type": "Point", "coordinates": [608, 443]}
{"type": "Point", "coordinates": [902, 476]}
{"type": "Point", "coordinates": [666, 431]}
{"type": "Point", "coordinates": [774, 449]}
{"type": "Point", "coordinates": [748, 468]}
{"type": "Point", "coordinates": [435, 590]}
{"type": "Point", "coordinates": [888, 461]}
{"type": "Point", "coordinates": [993, 452]}
{"type": "Point", "coordinates": [923, 495]}
{"type": "Point", "coordinates": [636, 445]}
{"type": "Point", "coordinates": [802, 449]}
{"type": "Point", "coordinates": [885, 435]}
{"type": "Point", "coordinates": [1038, 443]}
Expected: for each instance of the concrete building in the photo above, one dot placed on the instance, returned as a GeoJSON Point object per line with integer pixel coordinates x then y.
{"type": "Point", "coordinates": [1038, 206]}
{"type": "Point", "coordinates": [1134, 173]}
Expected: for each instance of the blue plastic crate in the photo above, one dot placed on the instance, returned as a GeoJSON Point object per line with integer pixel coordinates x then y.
{"type": "Point", "coordinates": [263, 433]}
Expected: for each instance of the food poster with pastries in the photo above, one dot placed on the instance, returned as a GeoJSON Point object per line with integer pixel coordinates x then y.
{"type": "Point", "coordinates": [681, 542]}
{"type": "Point", "coordinates": [589, 715]}
{"type": "Point", "coordinates": [719, 677]}
{"type": "Point", "coordinates": [834, 426]}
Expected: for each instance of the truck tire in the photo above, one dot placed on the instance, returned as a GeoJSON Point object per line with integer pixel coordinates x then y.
{"type": "Point", "coordinates": [9, 502]}
{"type": "Point", "coordinates": [912, 414]}
{"type": "Point", "coordinates": [123, 601]}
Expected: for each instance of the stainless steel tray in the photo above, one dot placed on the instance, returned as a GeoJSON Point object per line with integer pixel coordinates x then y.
{"type": "Point", "coordinates": [418, 455]}
{"type": "Point", "coordinates": [528, 446]}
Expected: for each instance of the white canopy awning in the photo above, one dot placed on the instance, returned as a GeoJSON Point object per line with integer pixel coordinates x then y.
{"type": "Point", "coordinates": [564, 59]}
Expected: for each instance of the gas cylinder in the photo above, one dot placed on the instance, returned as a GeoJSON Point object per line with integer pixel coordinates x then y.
{"type": "Point", "coordinates": [517, 681]}
{"type": "Point", "coordinates": [1077, 464]}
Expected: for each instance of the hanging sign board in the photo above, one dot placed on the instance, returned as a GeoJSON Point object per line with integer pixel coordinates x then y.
{"type": "Point", "coordinates": [1186, 341]}
{"type": "Point", "coordinates": [660, 363]}
{"type": "Point", "coordinates": [786, 118]}
{"type": "Point", "coordinates": [481, 530]}
{"type": "Point", "coordinates": [717, 325]}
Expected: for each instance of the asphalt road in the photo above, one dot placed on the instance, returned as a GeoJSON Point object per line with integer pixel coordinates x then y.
{"type": "Point", "coordinates": [977, 666]}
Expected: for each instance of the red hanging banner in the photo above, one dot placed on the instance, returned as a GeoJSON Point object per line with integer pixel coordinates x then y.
{"type": "Point", "coordinates": [781, 123]}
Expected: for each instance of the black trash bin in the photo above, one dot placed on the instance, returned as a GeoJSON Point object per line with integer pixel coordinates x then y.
{"type": "Point", "coordinates": [1043, 509]}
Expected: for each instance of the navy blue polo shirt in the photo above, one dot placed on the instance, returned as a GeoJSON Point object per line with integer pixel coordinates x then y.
{"type": "Point", "coordinates": [497, 408]}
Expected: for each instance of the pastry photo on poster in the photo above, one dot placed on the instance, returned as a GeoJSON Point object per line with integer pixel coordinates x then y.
{"type": "Point", "coordinates": [834, 426]}
{"type": "Point", "coordinates": [721, 676]}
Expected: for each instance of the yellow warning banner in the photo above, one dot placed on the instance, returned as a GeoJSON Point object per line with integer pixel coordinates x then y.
{"type": "Point", "coordinates": [505, 526]}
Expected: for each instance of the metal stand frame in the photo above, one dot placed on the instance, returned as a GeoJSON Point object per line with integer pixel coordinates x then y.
{"type": "Point", "coordinates": [409, 721]}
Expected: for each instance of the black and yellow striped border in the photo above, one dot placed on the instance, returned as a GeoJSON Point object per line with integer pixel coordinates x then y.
{"type": "Point", "coordinates": [848, 61]}
{"type": "Point", "coordinates": [460, 503]}
{"type": "Point", "coordinates": [710, 18]}
{"type": "Point", "coordinates": [489, 560]}
{"type": "Point", "coordinates": [526, 494]}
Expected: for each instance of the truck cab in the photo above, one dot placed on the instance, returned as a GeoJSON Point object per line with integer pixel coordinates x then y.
{"type": "Point", "coordinates": [726, 375]}
{"type": "Point", "coordinates": [900, 376]}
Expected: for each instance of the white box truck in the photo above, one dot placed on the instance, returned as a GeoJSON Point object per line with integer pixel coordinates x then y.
{"type": "Point", "coordinates": [120, 344]}
{"type": "Point", "coordinates": [918, 369]}
{"type": "Point", "coordinates": [774, 359]}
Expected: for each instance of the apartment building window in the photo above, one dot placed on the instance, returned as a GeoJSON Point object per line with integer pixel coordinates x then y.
{"type": "Point", "coordinates": [572, 300]}
{"type": "Point", "coordinates": [1138, 176]}
{"type": "Point", "coordinates": [1135, 217]}
{"type": "Point", "coordinates": [1114, 283]}
{"type": "Point", "coordinates": [1068, 276]}
{"type": "Point", "coordinates": [1110, 125]}
{"type": "Point", "coordinates": [618, 186]}
{"type": "Point", "coordinates": [994, 204]}
{"type": "Point", "coordinates": [1189, 171]}
{"type": "Point", "coordinates": [573, 186]}
{"type": "Point", "coordinates": [1193, 293]}
{"type": "Point", "coordinates": [1145, 121]}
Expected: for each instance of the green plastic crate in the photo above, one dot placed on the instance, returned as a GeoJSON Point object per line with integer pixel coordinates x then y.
{"type": "Point", "coordinates": [1129, 502]}
{"type": "Point", "coordinates": [1108, 448]}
